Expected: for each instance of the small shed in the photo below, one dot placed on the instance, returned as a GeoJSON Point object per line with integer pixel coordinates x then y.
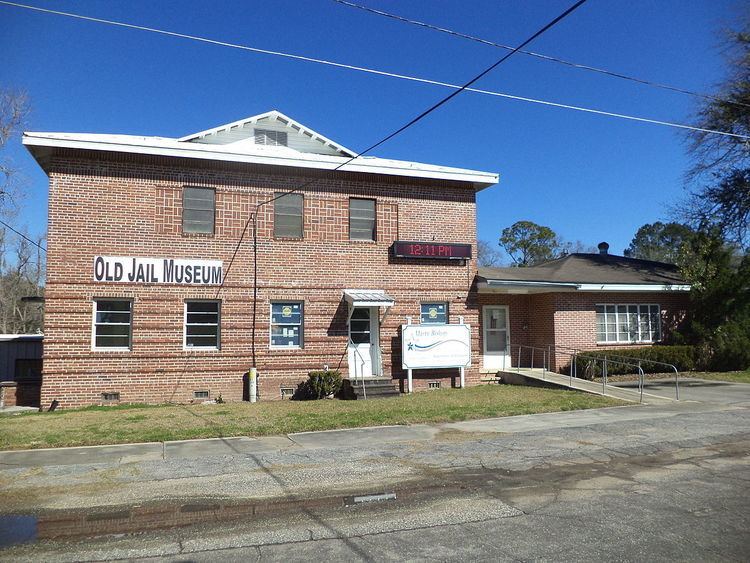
{"type": "Point", "coordinates": [21, 362]}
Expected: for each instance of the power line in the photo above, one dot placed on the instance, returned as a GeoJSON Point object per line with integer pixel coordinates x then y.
{"type": "Point", "coordinates": [23, 236]}
{"type": "Point", "coordinates": [379, 72]}
{"type": "Point", "coordinates": [253, 216]}
{"type": "Point", "coordinates": [539, 55]}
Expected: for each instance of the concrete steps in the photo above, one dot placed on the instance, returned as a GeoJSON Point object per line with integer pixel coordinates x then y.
{"type": "Point", "coordinates": [552, 378]}
{"type": "Point", "coordinates": [374, 388]}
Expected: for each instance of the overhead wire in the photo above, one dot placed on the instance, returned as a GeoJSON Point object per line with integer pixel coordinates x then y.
{"type": "Point", "coordinates": [377, 72]}
{"type": "Point", "coordinates": [253, 216]}
{"type": "Point", "coordinates": [539, 55]}
{"type": "Point", "coordinates": [23, 236]}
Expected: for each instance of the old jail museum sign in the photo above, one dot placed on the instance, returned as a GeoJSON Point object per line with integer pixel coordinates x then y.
{"type": "Point", "coordinates": [130, 269]}
{"type": "Point", "coordinates": [435, 346]}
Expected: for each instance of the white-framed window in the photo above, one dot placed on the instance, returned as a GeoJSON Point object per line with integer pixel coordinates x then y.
{"type": "Point", "coordinates": [202, 325]}
{"type": "Point", "coordinates": [198, 210]}
{"type": "Point", "coordinates": [112, 324]}
{"type": "Point", "coordinates": [628, 323]}
{"type": "Point", "coordinates": [287, 324]}
{"type": "Point", "coordinates": [434, 313]}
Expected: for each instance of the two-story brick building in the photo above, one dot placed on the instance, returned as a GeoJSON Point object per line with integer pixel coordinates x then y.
{"type": "Point", "coordinates": [174, 265]}
{"type": "Point", "coordinates": [143, 306]}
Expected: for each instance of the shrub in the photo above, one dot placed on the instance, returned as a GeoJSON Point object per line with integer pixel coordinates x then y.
{"type": "Point", "coordinates": [730, 346]}
{"type": "Point", "coordinates": [589, 364]}
{"type": "Point", "coordinates": [324, 383]}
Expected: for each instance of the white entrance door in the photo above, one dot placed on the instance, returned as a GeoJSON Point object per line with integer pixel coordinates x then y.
{"type": "Point", "coordinates": [363, 351]}
{"type": "Point", "coordinates": [496, 337]}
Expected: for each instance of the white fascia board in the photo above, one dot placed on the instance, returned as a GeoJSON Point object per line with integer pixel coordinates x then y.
{"type": "Point", "coordinates": [509, 286]}
{"type": "Point", "coordinates": [632, 287]}
{"type": "Point", "coordinates": [171, 148]}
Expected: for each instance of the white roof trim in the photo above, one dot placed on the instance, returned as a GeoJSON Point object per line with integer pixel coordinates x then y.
{"type": "Point", "coordinates": [161, 146]}
{"type": "Point", "coordinates": [633, 287]}
{"type": "Point", "coordinates": [273, 115]}
{"type": "Point", "coordinates": [512, 286]}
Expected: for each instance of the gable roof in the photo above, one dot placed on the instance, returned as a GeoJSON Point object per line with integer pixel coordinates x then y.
{"type": "Point", "coordinates": [235, 142]}
{"type": "Point", "coordinates": [590, 272]}
{"type": "Point", "coordinates": [303, 138]}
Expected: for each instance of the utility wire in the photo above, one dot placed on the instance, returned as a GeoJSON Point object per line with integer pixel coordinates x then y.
{"type": "Point", "coordinates": [253, 216]}
{"type": "Point", "coordinates": [377, 72]}
{"type": "Point", "coordinates": [539, 55]}
{"type": "Point", "coordinates": [23, 236]}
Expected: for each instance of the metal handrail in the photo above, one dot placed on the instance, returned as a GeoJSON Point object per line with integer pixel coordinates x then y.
{"type": "Point", "coordinates": [640, 361]}
{"type": "Point", "coordinates": [574, 364]}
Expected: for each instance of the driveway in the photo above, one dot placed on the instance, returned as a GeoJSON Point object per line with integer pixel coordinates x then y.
{"type": "Point", "coordinates": [694, 389]}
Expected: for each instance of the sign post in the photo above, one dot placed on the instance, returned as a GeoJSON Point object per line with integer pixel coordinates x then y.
{"type": "Point", "coordinates": [434, 346]}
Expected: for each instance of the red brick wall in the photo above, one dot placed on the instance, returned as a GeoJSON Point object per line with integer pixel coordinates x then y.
{"type": "Point", "coordinates": [122, 207]}
{"type": "Point", "coordinates": [569, 319]}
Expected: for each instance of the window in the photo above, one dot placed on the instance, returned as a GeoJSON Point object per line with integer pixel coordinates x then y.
{"type": "Point", "coordinates": [202, 324]}
{"type": "Point", "coordinates": [286, 324]}
{"type": "Point", "coordinates": [361, 219]}
{"type": "Point", "coordinates": [434, 313]}
{"type": "Point", "coordinates": [112, 324]}
{"type": "Point", "coordinates": [287, 215]}
{"type": "Point", "coordinates": [198, 210]}
{"type": "Point", "coordinates": [271, 138]}
{"type": "Point", "coordinates": [628, 323]}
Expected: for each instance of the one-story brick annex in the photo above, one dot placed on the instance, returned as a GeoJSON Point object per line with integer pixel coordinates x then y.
{"type": "Point", "coordinates": [151, 298]}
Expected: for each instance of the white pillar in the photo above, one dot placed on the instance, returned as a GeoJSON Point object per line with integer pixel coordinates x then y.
{"type": "Point", "coordinates": [408, 381]}
{"type": "Point", "coordinates": [463, 380]}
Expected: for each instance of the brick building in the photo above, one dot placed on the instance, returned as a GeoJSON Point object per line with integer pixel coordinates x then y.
{"type": "Point", "coordinates": [579, 302]}
{"type": "Point", "coordinates": [142, 231]}
{"type": "Point", "coordinates": [150, 298]}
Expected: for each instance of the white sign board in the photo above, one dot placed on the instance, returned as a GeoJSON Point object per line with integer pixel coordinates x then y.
{"type": "Point", "coordinates": [129, 269]}
{"type": "Point", "coordinates": [435, 346]}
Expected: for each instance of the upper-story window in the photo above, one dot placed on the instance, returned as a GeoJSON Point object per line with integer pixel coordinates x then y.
{"type": "Point", "coordinates": [288, 215]}
{"type": "Point", "coordinates": [198, 210]}
{"type": "Point", "coordinates": [361, 219]}
{"type": "Point", "coordinates": [269, 137]}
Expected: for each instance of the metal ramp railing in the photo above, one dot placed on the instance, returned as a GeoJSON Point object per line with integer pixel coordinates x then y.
{"type": "Point", "coordinates": [532, 353]}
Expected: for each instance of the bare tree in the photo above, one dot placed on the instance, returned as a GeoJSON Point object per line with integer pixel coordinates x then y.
{"type": "Point", "coordinates": [487, 256]}
{"type": "Point", "coordinates": [21, 278]}
{"type": "Point", "coordinates": [14, 108]}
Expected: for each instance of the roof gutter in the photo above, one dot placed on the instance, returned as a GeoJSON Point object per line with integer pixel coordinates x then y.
{"type": "Point", "coordinates": [515, 286]}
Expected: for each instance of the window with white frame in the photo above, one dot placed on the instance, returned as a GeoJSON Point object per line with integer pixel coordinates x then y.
{"type": "Point", "coordinates": [434, 313]}
{"type": "Point", "coordinates": [112, 328]}
{"type": "Point", "coordinates": [286, 324]}
{"type": "Point", "coordinates": [202, 324]}
{"type": "Point", "coordinates": [628, 323]}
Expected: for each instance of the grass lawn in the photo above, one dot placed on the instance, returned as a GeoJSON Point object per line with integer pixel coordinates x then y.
{"type": "Point", "coordinates": [732, 376]}
{"type": "Point", "coordinates": [141, 423]}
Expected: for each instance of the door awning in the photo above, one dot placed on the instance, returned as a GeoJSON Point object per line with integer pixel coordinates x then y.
{"type": "Point", "coordinates": [368, 298]}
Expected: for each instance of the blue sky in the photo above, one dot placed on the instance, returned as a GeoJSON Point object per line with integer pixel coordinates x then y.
{"type": "Point", "coordinates": [590, 178]}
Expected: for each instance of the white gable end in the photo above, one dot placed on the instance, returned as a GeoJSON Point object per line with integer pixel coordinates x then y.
{"type": "Point", "coordinates": [269, 130]}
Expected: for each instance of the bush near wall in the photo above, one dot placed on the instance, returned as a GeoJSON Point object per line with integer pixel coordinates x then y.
{"type": "Point", "coordinates": [589, 364]}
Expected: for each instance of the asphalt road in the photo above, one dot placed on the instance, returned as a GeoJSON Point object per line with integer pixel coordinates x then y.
{"type": "Point", "coordinates": [635, 483]}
